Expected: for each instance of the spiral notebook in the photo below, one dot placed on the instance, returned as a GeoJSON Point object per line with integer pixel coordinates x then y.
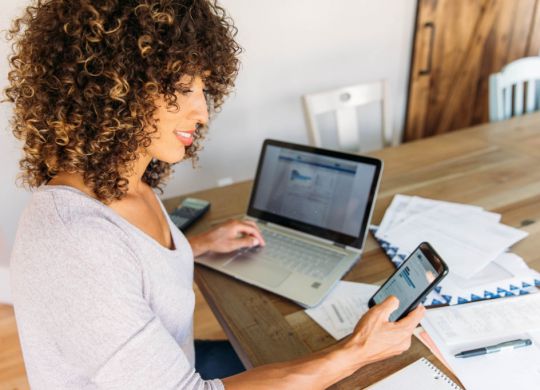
{"type": "Point", "coordinates": [420, 375]}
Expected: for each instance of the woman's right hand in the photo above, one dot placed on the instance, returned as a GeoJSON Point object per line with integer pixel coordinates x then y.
{"type": "Point", "coordinates": [376, 338]}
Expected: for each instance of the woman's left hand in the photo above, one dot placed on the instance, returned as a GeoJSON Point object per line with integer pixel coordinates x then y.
{"type": "Point", "coordinates": [227, 237]}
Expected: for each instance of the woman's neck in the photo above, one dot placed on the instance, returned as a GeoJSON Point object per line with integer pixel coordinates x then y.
{"type": "Point", "coordinates": [136, 186]}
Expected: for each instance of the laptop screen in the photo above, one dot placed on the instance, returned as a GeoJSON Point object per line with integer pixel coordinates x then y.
{"type": "Point", "coordinates": [326, 193]}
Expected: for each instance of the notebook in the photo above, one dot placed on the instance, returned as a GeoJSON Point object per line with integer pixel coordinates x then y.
{"type": "Point", "coordinates": [420, 375]}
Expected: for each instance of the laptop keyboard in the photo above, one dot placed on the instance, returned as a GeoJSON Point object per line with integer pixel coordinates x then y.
{"type": "Point", "coordinates": [297, 255]}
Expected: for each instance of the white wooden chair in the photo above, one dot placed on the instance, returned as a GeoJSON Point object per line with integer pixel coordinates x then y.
{"type": "Point", "coordinates": [514, 90]}
{"type": "Point", "coordinates": [343, 102]}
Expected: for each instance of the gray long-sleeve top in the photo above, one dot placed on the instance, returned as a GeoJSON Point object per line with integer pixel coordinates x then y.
{"type": "Point", "coordinates": [99, 304]}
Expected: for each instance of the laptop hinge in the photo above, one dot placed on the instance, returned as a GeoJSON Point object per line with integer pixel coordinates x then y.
{"type": "Point", "coordinates": [348, 248]}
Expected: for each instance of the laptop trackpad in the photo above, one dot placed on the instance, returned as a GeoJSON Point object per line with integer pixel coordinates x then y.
{"type": "Point", "coordinates": [251, 267]}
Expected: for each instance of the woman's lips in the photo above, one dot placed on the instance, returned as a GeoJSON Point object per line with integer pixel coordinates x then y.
{"type": "Point", "coordinates": [186, 137]}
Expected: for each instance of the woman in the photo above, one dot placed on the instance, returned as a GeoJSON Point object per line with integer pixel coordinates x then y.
{"type": "Point", "coordinates": [108, 94]}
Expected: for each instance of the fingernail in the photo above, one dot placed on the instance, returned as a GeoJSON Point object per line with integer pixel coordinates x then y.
{"type": "Point", "coordinates": [255, 242]}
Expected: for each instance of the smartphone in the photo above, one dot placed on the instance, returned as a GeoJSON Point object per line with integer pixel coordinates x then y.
{"type": "Point", "coordinates": [412, 281]}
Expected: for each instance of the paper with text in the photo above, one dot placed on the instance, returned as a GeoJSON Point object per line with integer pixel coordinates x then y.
{"type": "Point", "coordinates": [340, 311]}
{"type": "Point", "coordinates": [486, 320]}
{"type": "Point", "coordinates": [487, 323]}
{"type": "Point", "coordinates": [467, 242]}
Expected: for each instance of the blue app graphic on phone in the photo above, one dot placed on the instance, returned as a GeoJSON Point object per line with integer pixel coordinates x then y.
{"type": "Point", "coordinates": [408, 283]}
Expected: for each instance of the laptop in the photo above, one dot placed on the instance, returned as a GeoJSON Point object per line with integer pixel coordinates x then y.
{"type": "Point", "coordinates": [313, 207]}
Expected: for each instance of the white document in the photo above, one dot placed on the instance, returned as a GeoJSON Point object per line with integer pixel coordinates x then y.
{"type": "Point", "coordinates": [340, 311]}
{"type": "Point", "coordinates": [404, 207]}
{"type": "Point", "coordinates": [466, 241]}
{"type": "Point", "coordinates": [486, 320]}
{"type": "Point", "coordinates": [507, 273]}
{"type": "Point", "coordinates": [395, 213]}
{"type": "Point", "coordinates": [459, 328]}
{"type": "Point", "coordinates": [419, 205]}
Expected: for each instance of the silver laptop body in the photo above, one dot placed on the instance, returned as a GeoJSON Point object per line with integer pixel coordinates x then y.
{"type": "Point", "coordinates": [313, 207]}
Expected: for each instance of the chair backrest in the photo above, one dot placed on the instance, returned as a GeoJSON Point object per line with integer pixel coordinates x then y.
{"type": "Point", "coordinates": [514, 89]}
{"type": "Point", "coordinates": [344, 102]}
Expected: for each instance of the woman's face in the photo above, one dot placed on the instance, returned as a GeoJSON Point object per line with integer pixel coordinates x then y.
{"type": "Point", "coordinates": [175, 127]}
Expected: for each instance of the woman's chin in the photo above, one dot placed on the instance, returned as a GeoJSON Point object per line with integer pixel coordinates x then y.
{"type": "Point", "coordinates": [168, 154]}
{"type": "Point", "coordinates": [176, 159]}
{"type": "Point", "coordinates": [173, 157]}
{"type": "Point", "coordinates": [181, 157]}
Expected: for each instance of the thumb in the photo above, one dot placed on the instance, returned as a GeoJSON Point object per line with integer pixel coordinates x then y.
{"type": "Point", "coordinates": [388, 306]}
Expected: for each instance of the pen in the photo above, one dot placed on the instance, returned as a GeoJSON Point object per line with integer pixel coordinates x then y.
{"type": "Point", "coordinates": [519, 343]}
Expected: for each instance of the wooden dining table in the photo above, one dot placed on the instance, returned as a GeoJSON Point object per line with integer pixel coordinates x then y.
{"type": "Point", "coordinates": [494, 165]}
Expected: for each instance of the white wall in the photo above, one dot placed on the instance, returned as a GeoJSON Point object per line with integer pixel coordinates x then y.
{"type": "Point", "coordinates": [12, 198]}
{"type": "Point", "coordinates": [291, 47]}
{"type": "Point", "coordinates": [296, 47]}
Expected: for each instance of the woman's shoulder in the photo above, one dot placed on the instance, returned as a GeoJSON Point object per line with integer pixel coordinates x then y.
{"type": "Point", "coordinates": [61, 208]}
{"type": "Point", "coordinates": [67, 241]}
{"type": "Point", "coordinates": [65, 232]}
{"type": "Point", "coordinates": [61, 218]}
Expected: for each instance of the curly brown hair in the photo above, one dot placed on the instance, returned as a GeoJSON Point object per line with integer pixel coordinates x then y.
{"type": "Point", "coordinates": [85, 74]}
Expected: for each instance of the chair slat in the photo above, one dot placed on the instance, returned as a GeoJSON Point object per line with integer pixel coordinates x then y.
{"type": "Point", "coordinates": [518, 99]}
{"type": "Point", "coordinates": [311, 122]}
{"type": "Point", "coordinates": [507, 105]}
{"type": "Point", "coordinates": [347, 129]}
{"type": "Point", "coordinates": [530, 104]}
{"type": "Point", "coordinates": [537, 105]}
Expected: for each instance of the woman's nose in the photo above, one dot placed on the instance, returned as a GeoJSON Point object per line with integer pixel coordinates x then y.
{"type": "Point", "coordinates": [201, 109]}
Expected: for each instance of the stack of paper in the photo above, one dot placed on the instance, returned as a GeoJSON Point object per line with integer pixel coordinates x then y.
{"type": "Point", "coordinates": [340, 311]}
{"type": "Point", "coordinates": [455, 329]}
{"type": "Point", "coordinates": [472, 242]}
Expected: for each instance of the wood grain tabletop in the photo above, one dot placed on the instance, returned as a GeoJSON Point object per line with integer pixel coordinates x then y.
{"type": "Point", "coordinates": [495, 166]}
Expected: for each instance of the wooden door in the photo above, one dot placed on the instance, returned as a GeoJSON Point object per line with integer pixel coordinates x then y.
{"type": "Point", "coordinates": [457, 45]}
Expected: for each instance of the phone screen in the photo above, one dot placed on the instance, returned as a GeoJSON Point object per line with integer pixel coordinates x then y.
{"type": "Point", "coordinates": [408, 283]}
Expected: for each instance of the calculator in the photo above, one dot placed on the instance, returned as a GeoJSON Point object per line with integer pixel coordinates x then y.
{"type": "Point", "coordinates": [189, 212]}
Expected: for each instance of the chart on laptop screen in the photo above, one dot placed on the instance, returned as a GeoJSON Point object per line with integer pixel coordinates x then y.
{"type": "Point", "coordinates": [323, 191]}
